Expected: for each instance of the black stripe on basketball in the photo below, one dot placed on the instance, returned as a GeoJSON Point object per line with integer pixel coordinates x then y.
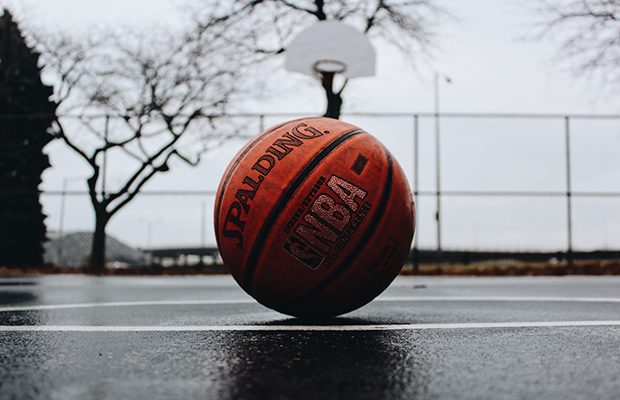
{"type": "Point", "coordinates": [254, 143]}
{"type": "Point", "coordinates": [324, 284]}
{"type": "Point", "coordinates": [281, 204]}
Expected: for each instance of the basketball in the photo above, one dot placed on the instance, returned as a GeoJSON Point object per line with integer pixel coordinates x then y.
{"type": "Point", "coordinates": [314, 217]}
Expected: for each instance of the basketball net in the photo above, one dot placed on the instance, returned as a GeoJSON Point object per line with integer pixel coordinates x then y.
{"type": "Point", "coordinates": [329, 67]}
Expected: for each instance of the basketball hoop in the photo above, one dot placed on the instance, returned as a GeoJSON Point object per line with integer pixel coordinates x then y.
{"type": "Point", "coordinates": [329, 67]}
{"type": "Point", "coordinates": [329, 48]}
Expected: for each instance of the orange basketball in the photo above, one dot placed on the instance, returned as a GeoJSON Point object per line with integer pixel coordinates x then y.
{"type": "Point", "coordinates": [314, 217]}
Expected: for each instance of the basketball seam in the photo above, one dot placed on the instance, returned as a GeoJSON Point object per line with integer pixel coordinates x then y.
{"type": "Point", "coordinates": [281, 204]}
{"type": "Point", "coordinates": [362, 243]}
{"type": "Point", "coordinates": [236, 163]}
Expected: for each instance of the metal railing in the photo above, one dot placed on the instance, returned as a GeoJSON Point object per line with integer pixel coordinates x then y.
{"type": "Point", "coordinates": [568, 194]}
{"type": "Point", "coordinates": [430, 137]}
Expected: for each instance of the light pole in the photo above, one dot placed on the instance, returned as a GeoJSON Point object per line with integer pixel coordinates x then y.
{"type": "Point", "coordinates": [149, 230]}
{"type": "Point", "coordinates": [437, 156]}
{"type": "Point", "coordinates": [203, 224]}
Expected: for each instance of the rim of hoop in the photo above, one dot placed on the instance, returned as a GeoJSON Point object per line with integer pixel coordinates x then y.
{"type": "Point", "coordinates": [329, 67]}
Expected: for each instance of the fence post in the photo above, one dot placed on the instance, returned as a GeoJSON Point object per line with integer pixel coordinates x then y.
{"type": "Point", "coordinates": [104, 164]}
{"type": "Point", "coordinates": [438, 181]}
{"type": "Point", "coordinates": [61, 226]}
{"type": "Point", "coordinates": [569, 214]}
{"type": "Point", "coordinates": [416, 256]}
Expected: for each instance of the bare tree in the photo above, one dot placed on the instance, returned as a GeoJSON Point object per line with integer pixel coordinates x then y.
{"type": "Point", "coordinates": [140, 96]}
{"type": "Point", "coordinates": [588, 32]}
{"type": "Point", "coordinates": [266, 27]}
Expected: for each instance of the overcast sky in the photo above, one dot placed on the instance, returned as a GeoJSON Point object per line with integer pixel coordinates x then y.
{"type": "Point", "coordinates": [492, 70]}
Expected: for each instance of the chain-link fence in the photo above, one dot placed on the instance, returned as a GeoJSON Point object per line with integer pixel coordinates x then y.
{"type": "Point", "coordinates": [482, 182]}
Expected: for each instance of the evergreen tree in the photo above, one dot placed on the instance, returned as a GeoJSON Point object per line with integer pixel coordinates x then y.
{"type": "Point", "coordinates": [26, 113]}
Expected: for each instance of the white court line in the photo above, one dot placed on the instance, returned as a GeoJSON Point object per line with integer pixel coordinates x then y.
{"type": "Point", "coordinates": [305, 328]}
{"type": "Point", "coordinates": [506, 298]}
{"type": "Point", "coordinates": [250, 301]}
{"type": "Point", "coordinates": [127, 304]}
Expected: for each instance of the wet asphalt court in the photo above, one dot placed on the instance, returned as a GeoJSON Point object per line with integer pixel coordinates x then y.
{"type": "Point", "coordinates": [80, 337]}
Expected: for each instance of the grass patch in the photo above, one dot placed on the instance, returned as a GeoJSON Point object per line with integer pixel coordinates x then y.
{"type": "Point", "coordinates": [602, 267]}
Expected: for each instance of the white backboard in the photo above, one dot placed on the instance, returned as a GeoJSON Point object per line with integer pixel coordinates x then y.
{"type": "Point", "coordinates": [331, 42]}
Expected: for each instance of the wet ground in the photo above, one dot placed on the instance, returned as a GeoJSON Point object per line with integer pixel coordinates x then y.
{"type": "Point", "coordinates": [79, 337]}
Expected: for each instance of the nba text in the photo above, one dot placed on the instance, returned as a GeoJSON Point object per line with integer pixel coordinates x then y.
{"type": "Point", "coordinates": [329, 223]}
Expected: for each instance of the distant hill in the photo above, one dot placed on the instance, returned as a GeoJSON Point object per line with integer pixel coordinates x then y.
{"type": "Point", "coordinates": [73, 250]}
